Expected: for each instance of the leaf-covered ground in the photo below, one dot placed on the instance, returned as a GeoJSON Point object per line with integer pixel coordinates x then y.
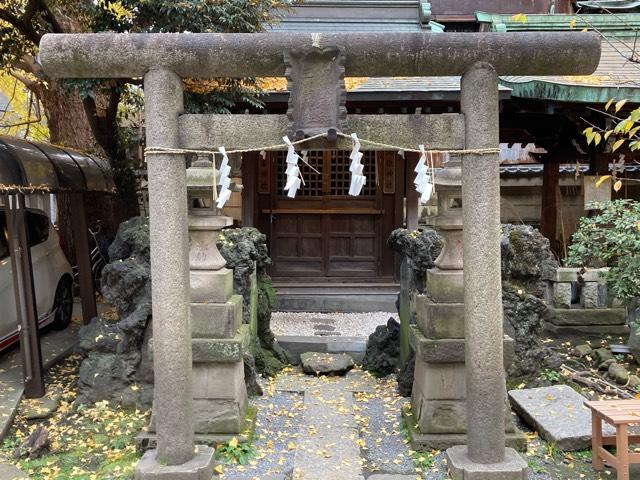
{"type": "Point", "coordinates": [87, 443]}
{"type": "Point", "coordinates": [98, 442]}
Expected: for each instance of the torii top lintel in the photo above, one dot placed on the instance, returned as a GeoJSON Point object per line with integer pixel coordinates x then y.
{"type": "Point", "coordinates": [203, 55]}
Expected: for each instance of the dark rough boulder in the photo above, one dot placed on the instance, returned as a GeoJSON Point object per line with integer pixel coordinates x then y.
{"type": "Point", "coordinates": [420, 247]}
{"type": "Point", "coordinates": [405, 376]}
{"type": "Point", "coordinates": [383, 350]}
{"type": "Point", "coordinates": [526, 258]}
{"type": "Point", "coordinates": [527, 263]}
{"type": "Point", "coordinates": [245, 250]}
{"type": "Point", "coordinates": [117, 364]}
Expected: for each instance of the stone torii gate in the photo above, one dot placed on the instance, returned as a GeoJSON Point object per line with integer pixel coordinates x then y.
{"type": "Point", "coordinates": [316, 65]}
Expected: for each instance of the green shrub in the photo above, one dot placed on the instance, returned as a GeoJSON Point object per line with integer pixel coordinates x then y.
{"type": "Point", "coordinates": [611, 238]}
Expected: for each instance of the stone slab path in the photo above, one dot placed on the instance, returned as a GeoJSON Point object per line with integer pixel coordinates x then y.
{"type": "Point", "coordinates": [336, 428]}
{"type": "Point", "coordinates": [558, 414]}
{"type": "Point", "coordinates": [328, 443]}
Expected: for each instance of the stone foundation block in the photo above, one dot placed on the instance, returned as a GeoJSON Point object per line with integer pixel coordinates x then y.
{"type": "Point", "coordinates": [562, 295]}
{"type": "Point", "coordinates": [219, 415]}
{"type": "Point", "coordinates": [445, 286]}
{"type": "Point", "coordinates": [221, 350]}
{"type": "Point", "coordinates": [461, 467]}
{"type": "Point", "coordinates": [440, 441]}
{"type": "Point", "coordinates": [593, 295]}
{"type": "Point", "coordinates": [586, 330]}
{"type": "Point", "coordinates": [439, 381]}
{"type": "Point", "coordinates": [211, 286]}
{"type": "Point", "coordinates": [578, 316]}
{"type": "Point", "coordinates": [216, 320]}
{"type": "Point", "coordinates": [440, 320]}
{"type": "Point", "coordinates": [448, 416]}
{"type": "Point", "coordinates": [219, 380]}
{"type": "Point", "coordinates": [200, 467]}
{"type": "Point", "coordinates": [449, 350]}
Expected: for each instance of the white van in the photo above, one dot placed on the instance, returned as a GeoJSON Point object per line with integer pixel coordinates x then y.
{"type": "Point", "coordinates": [52, 278]}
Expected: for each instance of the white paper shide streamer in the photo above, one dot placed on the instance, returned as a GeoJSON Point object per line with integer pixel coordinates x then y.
{"type": "Point", "coordinates": [225, 181]}
{"type": "Point", "coordinates": [293, 171]}
{"type": "Point", "coordinates": [424, 179]}
{"type": "Point", "coordinates": [356, 168]}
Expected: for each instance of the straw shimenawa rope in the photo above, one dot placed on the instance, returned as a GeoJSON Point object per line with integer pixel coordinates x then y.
{"type": "Point", "coordinates": [279, 146]}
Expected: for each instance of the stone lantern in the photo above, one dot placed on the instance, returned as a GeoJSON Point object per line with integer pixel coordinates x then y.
{"type": "Point", "coordinates": [439, 389]}
{"type": "Point", "coordinates": [218, 335]}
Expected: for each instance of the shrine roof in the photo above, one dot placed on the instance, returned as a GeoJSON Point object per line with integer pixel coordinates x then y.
{"type": "Point", "coordinates": [342, 16]}
{"type": "Point", "coordinates": [617, 75]}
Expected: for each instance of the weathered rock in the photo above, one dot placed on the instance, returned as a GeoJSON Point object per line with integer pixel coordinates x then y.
{"type": "Point", "coordinates": [420, 247]}
{"type": "Point", "coordinates": [523, 321]}
{"type": "Point", "coordinates": [582, 350]}
{"type": "Point", "coordinates": [383, 349]}
{"type": "Point", "coordinates": [38, 408]}
{"type": "Point", "coordinates": [604, 366]}
{"type": "Point", "coordinates": [634, 381]}
{"type": "Point", "coordinates": [251, 375]}
{"type": "Point", "coordinates": [601, 355]}
{"type": "Point", "coordinates": [118, 363]}
{"type": "Point", "coordinates": [618, 373]}
{"type": "Point", "coordinates": [326, 363]}
{"type": "Point", "coordinates": [527, 263]}
{"type": "Point", "coordinates": [556, 413]}
{"type": "Point", "coordinates": [36, 444]}
{"type": "Point", "coordinates": [405, 376]}
{"type": "Point", "coordinates": [526, 258]}
{"type": "Point", "coordinates": [245, 251]}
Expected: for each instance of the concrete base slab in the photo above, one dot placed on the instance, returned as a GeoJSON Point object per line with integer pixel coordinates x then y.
{"type": "Point", "coordinates": [200, 467]}
{"type": "Point", "coordinates": [461, 467]}
{"type": "Point", "coordinates": [586, 330]}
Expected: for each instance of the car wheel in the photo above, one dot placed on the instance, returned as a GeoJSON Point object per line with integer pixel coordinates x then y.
{"type": "Point", "coordinates": [63, 304]}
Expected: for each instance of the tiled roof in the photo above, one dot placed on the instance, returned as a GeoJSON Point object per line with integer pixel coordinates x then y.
{"type": "Point", "coordinates": [352, 16]}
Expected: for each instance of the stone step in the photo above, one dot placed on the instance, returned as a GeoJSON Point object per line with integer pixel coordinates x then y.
{"type": "Point", "coordinates": [295, 345]}
{"type": "Point", "coordinates": [335, 302]}
{"type": "Point", "coordinates": [586, 330]}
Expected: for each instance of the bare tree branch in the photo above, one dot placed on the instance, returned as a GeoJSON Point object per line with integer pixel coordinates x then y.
{"type": "Point", "coordinates": [33, 85]}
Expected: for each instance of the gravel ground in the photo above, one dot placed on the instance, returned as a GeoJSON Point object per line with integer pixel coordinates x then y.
{"type": "Point", "coordinates": [275, 436]}
{"type": "Point", "coordinates": [344, 324]}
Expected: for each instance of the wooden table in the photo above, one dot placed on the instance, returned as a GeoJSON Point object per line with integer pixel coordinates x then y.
{"type": "Point", "coordinates": [621, 414]}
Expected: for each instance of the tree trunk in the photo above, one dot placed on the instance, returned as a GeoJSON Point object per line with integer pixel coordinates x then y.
{"type": "Point", "coordinates": [70, 127]}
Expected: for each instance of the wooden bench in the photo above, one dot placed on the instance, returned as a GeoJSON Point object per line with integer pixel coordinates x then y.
{"type": "Point", "coordinates": [621, 414]}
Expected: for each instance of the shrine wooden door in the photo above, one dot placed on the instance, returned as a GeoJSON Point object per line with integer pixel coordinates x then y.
{"type": "Point", "coordinates": [325, 234]}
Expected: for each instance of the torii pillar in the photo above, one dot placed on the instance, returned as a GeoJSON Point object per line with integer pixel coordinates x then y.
{"type": "Point", "coordinates": [163, 59]}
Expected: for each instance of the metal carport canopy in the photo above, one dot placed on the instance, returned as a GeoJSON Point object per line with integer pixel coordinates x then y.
{"type": "Point", "coordinates": [28, 168]}
{"type": "Point", "coordinates": [37, 167]}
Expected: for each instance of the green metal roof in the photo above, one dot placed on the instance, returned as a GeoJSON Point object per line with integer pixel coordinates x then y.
{"type": "Point", "coordinates": [617, 75]}
{"type": "Point", "coordinates": [620, 24]}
